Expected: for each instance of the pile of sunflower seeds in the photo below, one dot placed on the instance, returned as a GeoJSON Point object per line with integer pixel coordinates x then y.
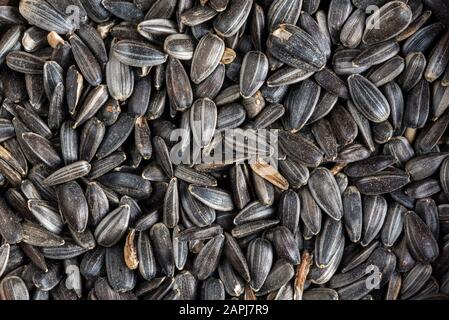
{"type": "Point", "coordinates": [110, 110]}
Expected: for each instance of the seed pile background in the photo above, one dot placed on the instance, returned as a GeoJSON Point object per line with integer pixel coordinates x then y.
{"type": "Point", "coordinates": [93, 207]}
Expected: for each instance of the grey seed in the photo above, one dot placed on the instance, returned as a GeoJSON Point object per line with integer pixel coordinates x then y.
{"type": "Point", "coordinates": [233, 284]}
{"type": "Point", "coordinates": [10, 228]}
{"type": "Point", "coordinates": [420, 241]}
{"type": "Point", "coordinates": [291, 144]}
{"type": "Point", "coordinates": [116, 135]}
{"type": "Point", "coordinates": [318, 28]}
{"type": "Point", "coordinates": [326, 244]}
{"type": "Point", "coordinates": [69, 142]}
{"type": "Point", "coordinates": [374, 213]}
{"type": "Point", "coordinates": [53, 75]}
{"type": "Point", "coordinates": [392, 227]}
{"type": "Point", "coordinates": [285, 245]}
{"type": "Point", "coordinates": [25, 62]}
{"type": "Point", "coordinates": [393, 94]}
{"type": "Point", "coordinates": [422, 167]}
{"type": "Point", "coordinates": [253, 73]}
{"type": "Point", "coordinates": [73, 205]}
{"type": "Point", "coordinates": [368, 99]}
{"type": "Point", "coordinates": [74, 84]}
{"type": "Point", "coordinates": [179, 46]}
{"type": "Point", "coordinates": [339, 12]}
{"type": "Point", "coordinates": [440, 102]}
{"type": "Point", "coordinates": [296, 48]}
{"type": "Point", "coordinates": [219, 6]}
{"type": "Point", "coordinates": [289, 210]}
{"type": "Point", "coordinates": [120, 278]}
{"type": "Point", "coordinates": [186, 284]}
{"type": "Point", "coordinates": [415, 279]}
{"type": "Point", "coordinates": [236, 258]}
{"type": "Point", "coordinates": [180, 249]}
{"type": "Point", "coordinates": [68, 173]}
{"type": "Point", "coordinates": [123, 10]}
{"type": "Point", "coordinates": [127, 184]}
{"type": "Point", "coordinates": [171, 204]}
{"type": "Point", "coordinates": [417, 105]}
{"type": "Point", "coordinates": [438, 59]}
{"type": "Point", "coordinates": [47, 281]}
{"type": "Point", "coordinates": [93, 40]}
{"type": "Point", "coordinates": [288, 75]}
{"type": "Point", "coordinates": [353, 213]}
{"type": "Point", "coordinates": [376, 54]}
{"type": "Point", "coordinates": [33, 38]}
{"type": "Point", "coordinates": [343, 124]}
{"type": "Point", "coordinates": [360, 257]}
{"type": "Point", "coordinates": [190, 175]}
{"type": "Point", "coordinates": [279, 275]}
{"type": "Point", "coordinates": [9, 40]}
{"type": "Point", "coordinates": [197, 15]}
{"type": "Point", "coordinates": [393, 17]}
{"type": "Point", "coordinates": [212, 289]}
{"type": "Point", "coordinates": [93, 102]}
{"type": "Point", "coordinates": [251, 228]}
{"type": "Point", "coordinates": [178, 85]}
{"type": "Point", "coordinates": [343, 62]}
{"type": "Point", "coordinates": [44, 16]}
{"type": "Point", "coordinates": [422, 189]}
{"type": "Point", "coordinates": [86, 61]}
{"type": "Point", "coordinates": [382, 182]}
{"type": "Point", "coordinates": [200, 214]}
{"type": "Point", "coordinates": [138, 54]}
{"type": "Point", "coordinates": [206, 57]}
{"type": "Point", "coordinates": [107, 164]}
{"type": "Point", "coordinates": [37, 236]}
{"type": "Point", "coordinates": [369, 166]}
{"type": "Point", "coordinates": [163, 156]}
{"type": "Point", "coordinates": [320, 294]}
{"type": "Point", "coordinates": [203, 120]}
{"type": "Point", "coordinates": [157, 105]}
{"type": "Point", "coordinates": [282, 11]}
{"type": "Point", "coordinates": [13, 288]}
{"type": "Point", "coordinates": [240, 188]}
{"type": "Point", "coordinates": [212, 85]}
{"type": "Point", "coordinates": [260, 259]}
{"type": "Point", "coordinates": [387, 71]}
{"type": "Point", "coordinates": [415, 64]}
{"type": "Point", "coordinates": [46, 215]}
{"type": "Point", "coordinates": [400, 148]}
{"type": "Point", "coordinates": [352, 30]}
{"type": "Point", "coordinates": [120, 79]}
{"type": "Point", "coordinates": [254, 211]}
{"type": "Point", "coordinates": [147, 261]}
{"type": "Point", "coordinates": [424, 38]}
{"type": "Point", "coordinates": [113, 226]}
{"type": "Point", "coordinates": [310, 211]}
{"type": "Point", "coordinates": [326, 194]}
{"type": "Point", "coordinates": [300, 104]}
{"type": "Point", "coordinates": [161, 9]}
{"type": "Point", "coordinates": [91, 138]}
{"type": "Point", "coordinates": [232, 19]}
{"type": "Point", "coordinates": [67, 251]}
{"type": "Point", "coordinates": [430, 135]}
{"type": "Point", "coordinates": [93, 262]}
{"type": "Point", "coordinates": [163, 247]}
{"type": "Point", "coordinates": [213, 197]}
{"type": "Point", "coordinates": [229, 95]}
{"type": "Point", "coordinates": [427, 209]}
{"type": "Point", "coordinates": [4, 256]}
{"type": "Point", "coordinates": [206, 262]}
